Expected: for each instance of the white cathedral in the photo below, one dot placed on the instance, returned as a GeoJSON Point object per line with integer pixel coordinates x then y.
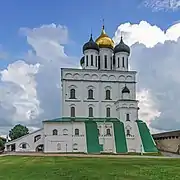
{"type": "Point", "coordinates": [99, 107]}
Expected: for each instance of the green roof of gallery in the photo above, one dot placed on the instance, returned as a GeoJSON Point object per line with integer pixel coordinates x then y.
{"type": "Point", "coordinates": [81, 119]}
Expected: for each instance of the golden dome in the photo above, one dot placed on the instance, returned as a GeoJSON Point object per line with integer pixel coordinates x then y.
{"type": "Point", "coordinates": [104, 41]}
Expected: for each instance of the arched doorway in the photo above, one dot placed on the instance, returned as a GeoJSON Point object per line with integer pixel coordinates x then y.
{"type": "Point", "coordinates": [40, 148]}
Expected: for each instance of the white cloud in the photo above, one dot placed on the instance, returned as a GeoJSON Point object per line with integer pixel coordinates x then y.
{"type": "Point", "coordinates": [162, 5]}
{"type": "Point", "coordinates": [155, 55]}
{"type": "Point", "coordinates": [29, 88]}
{"type": "Point", "coordinates": [145, 33]}
{"type": "Point", "coordinates": [18, 91]}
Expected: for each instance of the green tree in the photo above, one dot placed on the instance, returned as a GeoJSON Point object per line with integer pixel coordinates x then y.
{"type": "Point", "coordinates": [1, 144]}
{"type": "Point", "coordinates": [18, 131]}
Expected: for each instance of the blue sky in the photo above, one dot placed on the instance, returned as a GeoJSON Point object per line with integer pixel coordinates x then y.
{"type": "Point", "coordinates": [79, 16]}
{"type": "Point", "coordinates": [29, 82]}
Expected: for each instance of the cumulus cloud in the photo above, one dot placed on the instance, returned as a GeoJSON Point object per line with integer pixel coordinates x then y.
{"type": "Point", "coordinates": [162, 5]}
{"type": "Point", "coordinates": [155, 55]}
{"type": "Point", "coordinates": [30, 88]}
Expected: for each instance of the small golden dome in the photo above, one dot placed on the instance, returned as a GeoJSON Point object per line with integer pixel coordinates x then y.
{"type": "Point", "coordinates": [104, 41]}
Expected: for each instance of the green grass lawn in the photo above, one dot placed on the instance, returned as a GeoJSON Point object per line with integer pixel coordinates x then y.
{"type": "Point", "coordinates": [67, 168]}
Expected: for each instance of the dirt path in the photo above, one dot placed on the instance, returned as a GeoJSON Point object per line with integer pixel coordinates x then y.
{"type": "Point", "coordinates": [87, 155]}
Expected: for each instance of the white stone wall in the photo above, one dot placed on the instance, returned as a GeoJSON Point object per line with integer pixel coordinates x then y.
{"type": "Point", "coordinates": [106, 52]}
{"type": "Point", "coordinates": [64, 142]}
{"type": "Point", "coordinates": [108, 142]}
{"type": "Point", "coordinates": [28, 140]}
{"type": "Point", "coordinates": [134, 140]}
{"type": "Point", "coordinates": [99, 81]}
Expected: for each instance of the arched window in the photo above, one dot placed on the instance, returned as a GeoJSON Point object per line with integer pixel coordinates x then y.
{"type": "Point", "coordinates": [90, 112]}
{"type": "Point", "coordinates": [65, 132]}
{"type": "Point", "coordinates": [108, 132]}
{"type": "Point", "coordinates": [75, 146]}
{"type": "Point", "coordinates": [105, 61]}
{"type": "Point", "coordinates": [86, 60]}
{"type": "Point", "coordinates": [96, 61]}
{"type": "Point", "coordinates": [108, 112]}
{"type": "Point", "coordinates": [55, 132]}
{"type": "Point", "coordinates": [72, 111]}
{"type": "Point", "coordinates": [91, 60]}
{"type": "Point", "coordinates": [58, 146]}
{"type": "Point", "coordinates": [72, 94]}
{"type": "Point", "coordinates": [24, 145]}
{"type": "Point", "coordinates": [90, 94]}
{"type": "Point", "coordinates": [108, 94]}
{"type": "Point", "coordinates": [128, 132]}
{"type": "Point", "coordinates": [123, 62]}
{"type": "Point", "coordinates": [76, 132]}
{"type": "Point", "coordinates": [127, 117]}
{"type": "Point", "coordinates": [118, 63]}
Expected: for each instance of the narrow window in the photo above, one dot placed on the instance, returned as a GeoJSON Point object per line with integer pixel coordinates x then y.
{"type": "Point", "coordinates": [122, 61]}
{"type": "Point", "coordinates": [72, 111]}
{"type": "Point", "coordinates": [99, 65]}
{"type": "Point", "coordinates": [108, 132]}
{"type": "Point", "coordinates": [90, 94]}
{"type": "Point", "coordinates": [98, 132]}
{"type": "Point", "coordinates": [86, 60]}
{"type": "Point", "coordinates": [105, 61]}
{"type": "Point", "coordinates": [96, 61]}
{"type": "Point", "coordinates": [91, 60]}
{"type": "Point", "coordinates": [90, 112]}
{"type": "Point", "coordinates": [72, 94]}
{"type": "Point", "coordinates": [127, 63]}
{"type": "Point", "coordinates": [111, 63]}
{"type": "Point", "coordinates": [118, 62]}
{"type": "Point", "coordinates": [55, 132]}
{"type": "Point", "coordinates": [127, 117]}
{"type": "Point", "coordinates": [76, 132]}
{"type": "Point", "coordinates": [58, 146]}
{"type": "Point", "coordinates": [128, 132]}
{"type": "Point", "coordinates": [108, 94]}
{"type": "Point", "coordinates": [108, 112]}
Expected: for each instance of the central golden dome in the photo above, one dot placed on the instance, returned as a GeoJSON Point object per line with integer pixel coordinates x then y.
{"type": "Point", "coordinates": [104, 41]}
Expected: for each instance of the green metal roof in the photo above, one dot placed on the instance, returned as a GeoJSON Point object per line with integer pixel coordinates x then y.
{"type": "Point", "coordinates": [81, 119]}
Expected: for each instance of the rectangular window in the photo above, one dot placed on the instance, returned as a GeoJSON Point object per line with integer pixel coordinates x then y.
{"type": "Point", "coordinates": [127, 63]}
{"type": "Point", "coordinates": [72, 111]}
{"type": "Point", "coordinates": [90, 112]}
{"type": "Point", "coordinates": [127, 117]}
{"type": "Point", "coordinates": [111, 63]}
{"type": "Point", "coordinates": [118, 62]}
{"type": "Point", "coordinates": [122, 61]}
{"type": "Point", "coordinates": [105, 61]}
{"type": "Point", "coordinates": [96, 61]}
{"type": "Point", "coordinates": [99, 66]}
{"type": "Point", "coordinates": [108, 112]}
{"type": "Point", "coordinates": [86, 60]}
{"type": "Point", "coordinates": [91, 60]}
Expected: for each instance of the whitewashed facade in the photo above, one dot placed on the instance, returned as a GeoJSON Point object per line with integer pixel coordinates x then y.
{"type": "Point", "coordinates": [99, 107]}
